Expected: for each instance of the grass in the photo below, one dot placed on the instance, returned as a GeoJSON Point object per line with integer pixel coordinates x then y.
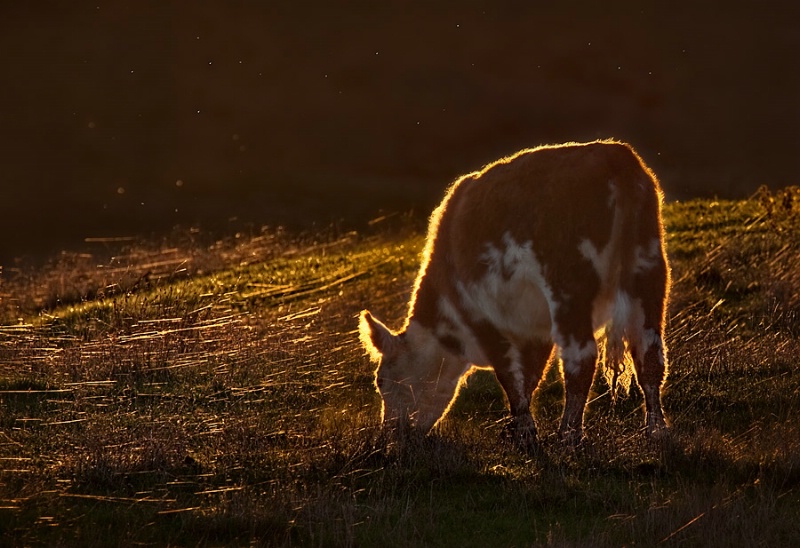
{"type": "Point", "coordinates": [191, 393]}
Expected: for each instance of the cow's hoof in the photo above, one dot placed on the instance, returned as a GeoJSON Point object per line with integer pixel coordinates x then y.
{"type": "Point", "coordinates": [523, 438]}
{"type": "Point", "coordinates": [658, 432]}
{"type": "Point", "coordinates": [660, 439]}
{"type": "Point", "coordinates": [572, 437]}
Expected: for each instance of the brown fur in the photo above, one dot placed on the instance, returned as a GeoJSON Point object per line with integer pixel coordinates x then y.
{"type": "Point", "coordinates": [576, 225]}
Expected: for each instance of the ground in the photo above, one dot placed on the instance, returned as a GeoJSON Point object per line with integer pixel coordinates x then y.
{"type": "Point", "coordinates": [205, 393]}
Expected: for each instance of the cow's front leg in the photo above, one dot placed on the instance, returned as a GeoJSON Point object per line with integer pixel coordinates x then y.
{"type": "Point", "coordinates": [519, 375]}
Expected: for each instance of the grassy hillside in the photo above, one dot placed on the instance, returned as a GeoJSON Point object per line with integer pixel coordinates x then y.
{"type": "Point", "coordinates": [187, 393]}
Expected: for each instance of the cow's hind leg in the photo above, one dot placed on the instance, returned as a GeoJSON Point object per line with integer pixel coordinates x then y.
{"type": "Point", "coordinates": [579, 360]}
{"type": "Point", "coordinates": [646, 340]}
{"type": "Point", "coordinates": [519, 376]}
{"type": "Point", "coordinates": [649, 358]}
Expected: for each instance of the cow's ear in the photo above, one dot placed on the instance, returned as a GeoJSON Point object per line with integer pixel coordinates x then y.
{"type": "Point", "coordinates": [376, 337]}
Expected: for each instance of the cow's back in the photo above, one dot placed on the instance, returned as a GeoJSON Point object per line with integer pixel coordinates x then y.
{"type": "Point", "coordinates": [557, 198]}
{"type": "Point", "coordinates": [554, 197]}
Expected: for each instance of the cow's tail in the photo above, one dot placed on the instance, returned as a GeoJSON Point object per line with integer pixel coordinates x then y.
{"type": "Point", "coordinates": [628, 193]}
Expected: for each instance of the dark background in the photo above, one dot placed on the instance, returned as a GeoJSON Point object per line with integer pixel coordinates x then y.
{"type": "Point", "coordinates": [130, 117]}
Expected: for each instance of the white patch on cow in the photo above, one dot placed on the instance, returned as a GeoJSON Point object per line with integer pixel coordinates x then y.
{"type": "Point", "coordinates": [426, 348]}
{"type": "Point", "coordinates": [422, 339]}
{"type": "Point", "coordinates": [573, 354]}
{"type": "Point", "coordinates": [610, 321]}
{"type": "Point", "coordinates": [646, 258]}
{"type": "Point", "coordinates": [602, 259]}
{"type": "Point", "coordinates": [473, 352]}
{"type": "Point", "coordinates": [628, 319]}
{"type": "Point", "coordinates": [516, 369]}
{"type": "Point", "coordinates": [612, 194]}
{"type": "Point", "coordinates": [513, 295]}
{"type": "Point", "coordinates": [651, 338]}
{"type": "Point", "coordinates": [614, 310]}
{"type": "Point", "coordinates": [622, 308]}
{"type": "Point", "coordinates": [588, 250]}
{"type": "Point", "coordinates": [423, 380]}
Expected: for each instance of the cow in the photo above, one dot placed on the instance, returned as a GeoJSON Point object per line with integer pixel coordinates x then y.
{"type": "Point", "coordinates": [556, 246]}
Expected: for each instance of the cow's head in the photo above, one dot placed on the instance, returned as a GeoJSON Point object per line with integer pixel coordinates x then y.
{"type": "Point", "coordinates": [416, 377]}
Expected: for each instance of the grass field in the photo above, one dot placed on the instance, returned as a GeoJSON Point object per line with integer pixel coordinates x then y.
{"type": "Point", "coordinates": [200, 394]}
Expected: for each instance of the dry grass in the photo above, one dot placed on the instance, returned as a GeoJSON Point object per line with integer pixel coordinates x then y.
{"type": "Point", "coordinates": [223, 399]}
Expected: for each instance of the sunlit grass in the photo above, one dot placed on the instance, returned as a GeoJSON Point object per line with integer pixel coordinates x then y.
{"type": "Point", "coordinates": [207, 394]}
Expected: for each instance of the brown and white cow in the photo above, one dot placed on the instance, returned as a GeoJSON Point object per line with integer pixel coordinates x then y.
{"type": "Point", "coordinates": [553, 246]}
